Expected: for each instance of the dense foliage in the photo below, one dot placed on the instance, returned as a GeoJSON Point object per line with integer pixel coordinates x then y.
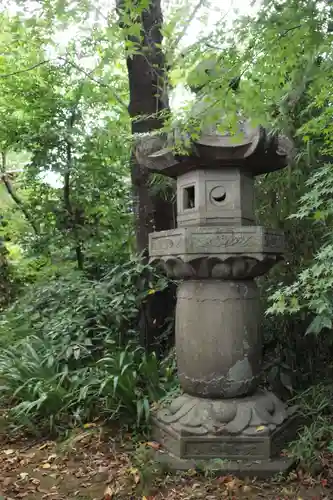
{"type": "Point", "coordinates": [78, 353]}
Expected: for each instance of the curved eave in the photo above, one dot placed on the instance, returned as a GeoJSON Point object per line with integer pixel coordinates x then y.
{"type": "Point", "coordinates": [262, 154]}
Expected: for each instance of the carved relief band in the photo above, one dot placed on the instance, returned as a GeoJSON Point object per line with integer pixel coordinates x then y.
{"type": "Point", "coordinates": [164, 245]}
{"type": "Point", "coordinates": [213, 242]}
{"type": "Point", "coordinates": [216, 240]}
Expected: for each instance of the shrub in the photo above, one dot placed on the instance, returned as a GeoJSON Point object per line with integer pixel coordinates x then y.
{"type": "Point", "coordinates": [43, 392]}
{"type": "Point", "coordinates": [74, 354]}
{"type": "Point", "coordinates": [316, 438]}
{"type": "Point", "coordinates": [75, 308]}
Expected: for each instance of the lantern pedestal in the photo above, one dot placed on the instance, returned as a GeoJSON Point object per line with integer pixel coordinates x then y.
{"type": "Point", "coordinates": [222, 413]}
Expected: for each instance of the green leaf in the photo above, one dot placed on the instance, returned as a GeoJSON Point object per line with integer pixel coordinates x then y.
{"type": "Point", "coordinates": [318, 324]}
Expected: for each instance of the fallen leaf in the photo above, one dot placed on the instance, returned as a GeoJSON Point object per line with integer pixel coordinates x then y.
{"type": "Point", "coordinates": [46, 492]}
{"type": "Point", "coordinates": [135, 473]}
{"type": "Point", "coordinates": [287, 491]}
{"type": "Point", "coordinates": [53, 456]}
{"type": "Point", "coordinates": [108, 493]}
{"type": "Point", "coordinates": [24, 475]}
{"type": "Point", "coordinates": [191, 472]}
{"type": "Point", "coordinates": [233, 484]}
{"type": "Point", "coordinates": [9, 452]}
{"type": "Point", "coordinates": [46, 466]}
{"type": "Point", "coordinates": [89, 425]}
{"type": "Point", "coordinates": [224, 479]}
{"type": "Point", "coordinates": [260, 428]}
{"type": "Point", "coordinates": [154, 445]}
{"type": "Point", "coordinates": [46, 445]}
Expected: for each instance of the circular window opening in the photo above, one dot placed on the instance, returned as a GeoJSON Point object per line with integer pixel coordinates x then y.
{"type": "Point", "coordinates": [218, 195]}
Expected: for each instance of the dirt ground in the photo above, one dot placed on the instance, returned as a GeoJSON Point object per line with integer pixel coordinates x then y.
{"type": "Point", "coordinates": [91, 465]}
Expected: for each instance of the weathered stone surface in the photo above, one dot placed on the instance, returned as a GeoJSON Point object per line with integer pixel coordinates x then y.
{"type": "Point", "coordinates": [225, 267]}
{"type": "Point", "coordinates": [216, 252]}
{"type": "Point", "coordinates": [245, 240]}
{"type": "Point", "coordinates": [257, 415]}
{"type": "Point", "coordinates": [257, 426]}
{"type": "Point", "coordinates": [218, 341]}
{"type": "Point", "coordinates": [261, 469]}
{"type": "Point", "coordinates": [253, 150]}
{"type": "Point", "coordinates": [215, 197]}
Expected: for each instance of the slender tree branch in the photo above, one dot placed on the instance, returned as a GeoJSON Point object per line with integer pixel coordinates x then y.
{"type": "Point", "coordinates": [209, 45]}
{"type": "Point", "coordinates": [95, 80]}
{"type": "Point", "coordinates": [74, 65]}
{"type": "Point", "coordinates": [25, 70]}
{"type": "Point", "coordinates": [188, 23]}
{"type": "Point", "coordinates": [14, 196]}
{"type": "Point", "coordinates": [67, 201]}
{"type": "Point", "coordinates": [203, 39]}
{"type": "Point", "coordinates": [286, 31]}
{"type": "Point", "coordinates": [72, 213]}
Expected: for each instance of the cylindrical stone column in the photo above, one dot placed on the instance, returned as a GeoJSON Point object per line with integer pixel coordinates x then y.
{"type": "Point", "coordinates": [218, 341]}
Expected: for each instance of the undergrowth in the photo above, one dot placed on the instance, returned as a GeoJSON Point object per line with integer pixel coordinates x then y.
{"type": "Point", "coordinates": [74, 355]}
{"type": "Point", "coordinates": [316, 437]}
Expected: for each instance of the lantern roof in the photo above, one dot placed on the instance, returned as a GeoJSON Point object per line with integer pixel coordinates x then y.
{"type": "Point", "coordinates": [253, 150]}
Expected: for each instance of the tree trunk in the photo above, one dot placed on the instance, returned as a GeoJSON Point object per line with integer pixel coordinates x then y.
{"type": "Point", "coordinates": [148, 98]}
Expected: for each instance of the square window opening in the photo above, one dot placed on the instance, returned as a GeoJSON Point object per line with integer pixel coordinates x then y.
{"type": "Point", "coordinates": [189, 197]}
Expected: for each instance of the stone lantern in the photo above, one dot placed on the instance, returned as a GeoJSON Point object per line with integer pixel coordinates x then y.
{"type": "Point", "coordinates": [217, 251]}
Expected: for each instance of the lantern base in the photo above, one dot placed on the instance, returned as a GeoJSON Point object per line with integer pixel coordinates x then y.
{"type": "Point", "coordinates": [254, 428]}
{"type": "Point", "coordinates": [260, 469]}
